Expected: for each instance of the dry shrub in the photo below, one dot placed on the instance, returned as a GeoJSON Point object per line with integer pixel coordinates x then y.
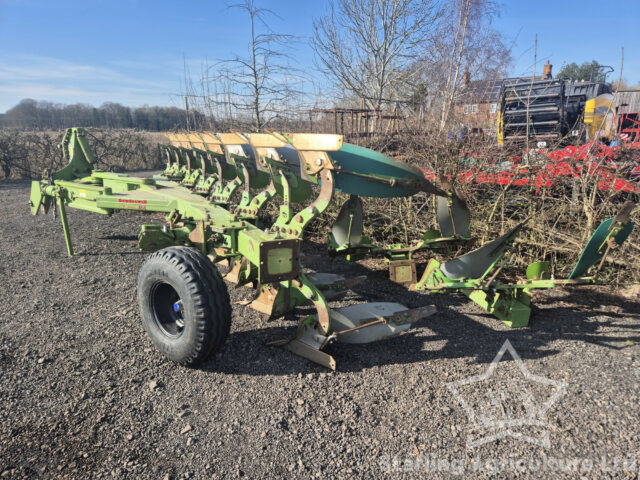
{"type": "Point", "coordinates": [561, 218]}
{"type": "Point", "coordinates": [27, 154]}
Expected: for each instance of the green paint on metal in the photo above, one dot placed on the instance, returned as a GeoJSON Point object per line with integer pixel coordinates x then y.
{"type": "Point", "coordinates": [365, 172]}
{"type": "Point", "coordinates": [597, 245]}
{"type": "Point", "coordinates": [511, 307]}
{"type": "Point", "coordinates": [65, 226]}
{"type": "Point", "coordinates": [537, 271]}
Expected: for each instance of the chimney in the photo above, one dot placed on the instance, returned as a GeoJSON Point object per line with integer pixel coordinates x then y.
{"type": "Point", "coordinates": [466, 77]}
{"type": "Point", "coordinates": [546, 71]}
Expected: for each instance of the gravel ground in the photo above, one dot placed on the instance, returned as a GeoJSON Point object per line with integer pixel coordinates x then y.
{"type": "Point", "coordinates": [84, 394]}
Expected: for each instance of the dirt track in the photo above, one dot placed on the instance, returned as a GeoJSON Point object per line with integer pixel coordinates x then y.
{"type": "Point", "coordinates": [83, 393]}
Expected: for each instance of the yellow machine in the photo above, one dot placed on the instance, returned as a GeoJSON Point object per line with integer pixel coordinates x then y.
{"type": "Point", "coordinates": [599, 117]}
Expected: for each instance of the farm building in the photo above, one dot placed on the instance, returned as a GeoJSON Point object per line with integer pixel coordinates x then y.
{"type": "Point", "coordinates": [627, 104]}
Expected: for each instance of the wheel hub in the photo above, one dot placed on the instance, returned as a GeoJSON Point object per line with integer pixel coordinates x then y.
{"type": "Point", "coordinates": [168, 309]}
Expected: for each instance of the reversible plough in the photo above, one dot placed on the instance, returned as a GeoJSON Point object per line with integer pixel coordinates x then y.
{"type": "Point", "coordinates": [184, 303]}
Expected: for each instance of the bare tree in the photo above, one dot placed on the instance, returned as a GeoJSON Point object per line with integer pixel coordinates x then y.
{"type": "Point", "coordinates": [467, 41]}
{"type": "Point", "coordinates": [366, 46]}
{"type": "Point", "coordinates": [455, 59]}
{"type": "Point", "coordinates": [259, 85]}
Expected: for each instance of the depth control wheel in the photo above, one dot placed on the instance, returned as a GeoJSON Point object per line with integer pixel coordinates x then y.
{"type": "Point", "coordinates": [184, 304]}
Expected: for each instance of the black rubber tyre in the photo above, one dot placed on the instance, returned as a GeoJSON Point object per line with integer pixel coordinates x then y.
{"type": "Point", "coordinates": [184, 304]}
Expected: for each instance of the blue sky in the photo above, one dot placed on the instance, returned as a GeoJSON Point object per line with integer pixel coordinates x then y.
{"type": "Point", "coordinates": [131, 51]}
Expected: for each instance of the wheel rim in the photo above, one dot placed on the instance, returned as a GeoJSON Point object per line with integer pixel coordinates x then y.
{"type": "Point", "coordinates": [168, 309]}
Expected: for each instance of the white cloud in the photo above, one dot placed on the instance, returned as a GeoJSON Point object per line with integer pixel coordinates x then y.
{"type": "Point", "coordinates": [63, 81]}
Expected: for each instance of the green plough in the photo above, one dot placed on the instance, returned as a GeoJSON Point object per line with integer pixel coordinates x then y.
{"type": "Point", "coordinates": [184, 304]}
{"type": "Point", "coordinates": [212, 192]}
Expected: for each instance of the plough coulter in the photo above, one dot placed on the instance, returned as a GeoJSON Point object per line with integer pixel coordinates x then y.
{"type": "Point", "coordinates": [184, 303]}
